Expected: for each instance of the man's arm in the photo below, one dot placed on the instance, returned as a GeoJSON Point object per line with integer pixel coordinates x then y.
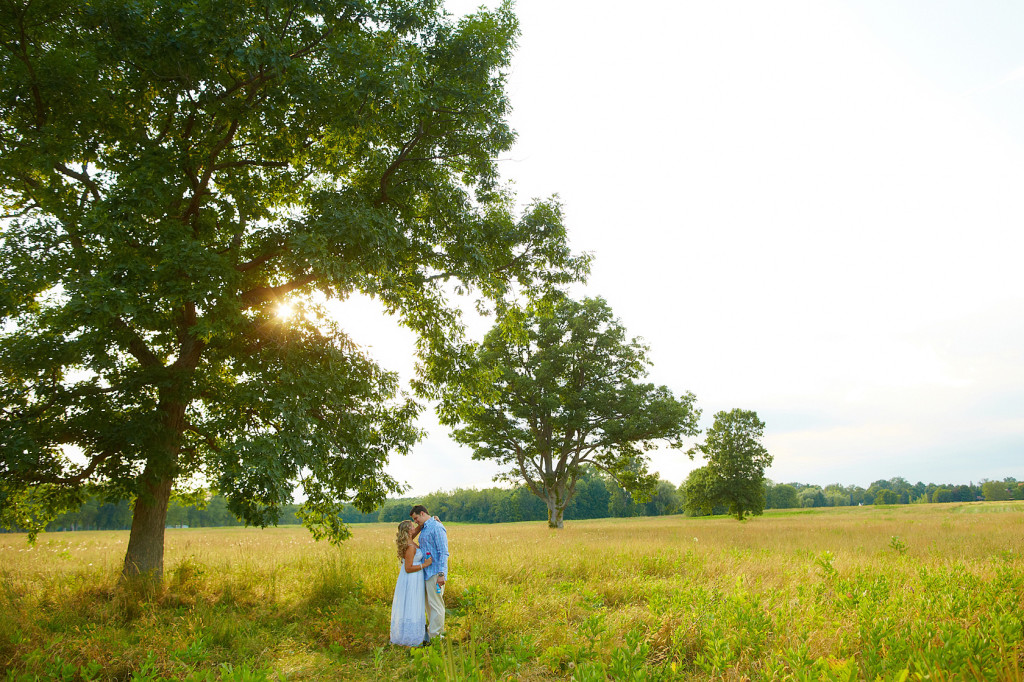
{"type": "Point", "coordinates": [441, 538]}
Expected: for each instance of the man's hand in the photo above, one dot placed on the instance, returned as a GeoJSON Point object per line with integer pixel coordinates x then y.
{"type": "Point", "coordinates": [440, 579]}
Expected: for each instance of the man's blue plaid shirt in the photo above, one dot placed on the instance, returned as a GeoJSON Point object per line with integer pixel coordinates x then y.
{"type": "Point", "coordinates": [434, 539]}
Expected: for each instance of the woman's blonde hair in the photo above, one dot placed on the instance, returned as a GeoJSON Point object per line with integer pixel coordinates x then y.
{"type": "Point", "coordinates": [402, 539]}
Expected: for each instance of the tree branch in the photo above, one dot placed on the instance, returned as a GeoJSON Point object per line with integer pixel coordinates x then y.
{"type": "Point", "coordinates": [190, 347]}
{"type": "Point", "coordinates": [137, 346]}
{"type": "Point", "coordinates": [250, 162]}
{"type": "Point", "coordinates": [83, 178]}
{"type": "Point", "coordinates": [210, 441]}
{"type": "Point", "coordinates": [309, 48]}
{"type": "Point", "coordinates": [75, 479]}
{"type": "Point", "coordinates": [199, 188]}
{"type": "Point", "coordinates": [406, 149]}
{"type": "Point", "coordinates": [255, 297]}
{"type": "Point", "coordinates": [24, 211]}
{"type": "Point", "coordinates": [22, 55]}
{"type": "Point", "coordinates": [260, 260]}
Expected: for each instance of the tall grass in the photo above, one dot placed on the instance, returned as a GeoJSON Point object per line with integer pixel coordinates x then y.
{"type": "Point", "coordinates": [908, 592]}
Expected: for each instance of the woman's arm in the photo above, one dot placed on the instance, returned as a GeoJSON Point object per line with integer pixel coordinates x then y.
{"type": "Point", "coordinates": [418, 528]}
{"type": "Point", "coordinates": [410, 567]}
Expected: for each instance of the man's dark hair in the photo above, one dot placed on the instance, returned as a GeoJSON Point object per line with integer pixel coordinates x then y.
{"type": "Point", "coordinates": [418, 509]}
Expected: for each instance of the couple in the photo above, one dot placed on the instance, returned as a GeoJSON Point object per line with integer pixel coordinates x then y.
{"type": "Point", "coordinates": [420, 587]}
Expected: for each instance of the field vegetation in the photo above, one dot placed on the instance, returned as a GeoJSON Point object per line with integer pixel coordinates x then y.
{"type": "Point", "coordinates": [893, 593]}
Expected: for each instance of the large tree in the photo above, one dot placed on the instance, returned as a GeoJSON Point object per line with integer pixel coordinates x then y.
{"type": "Point", "coordinates": [565, 389]}
{"type": "Point", "coordinates": [171, 172]}
{"type": "Point", "coordinates": [734, 474]}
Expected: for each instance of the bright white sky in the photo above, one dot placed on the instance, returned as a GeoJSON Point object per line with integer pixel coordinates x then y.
{"type": "Point", "coordinates": [808, 209]}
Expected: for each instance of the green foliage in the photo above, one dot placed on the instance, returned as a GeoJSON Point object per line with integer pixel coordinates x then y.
{"type": "Point", "coordinates": [736, 460]}
{"type": "Point", "coordinates": [702, 491]}
{"type": "Point", "coordinates": [172, 171]}
{"type": "Point", "coordinates": [781, 496]}
{"type": "Point", "coordinates": [897, 545]}
{"type": "Point", "coordinates": [566, 391]}
{"type": "Point", "coordinates": [886, 497]}
{"type": "Point", "coordinates": [596, 497]}
{"type": "Point", "coordinates": [997, 491]}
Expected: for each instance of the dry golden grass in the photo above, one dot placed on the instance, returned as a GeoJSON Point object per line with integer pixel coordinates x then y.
{"type": "Point", "coordinates": [833, 589]}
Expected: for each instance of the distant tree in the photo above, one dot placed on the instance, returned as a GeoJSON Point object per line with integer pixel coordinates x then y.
{"type": "Point", "coordinates": [591, 498]}
{"type": "Point", "coordinates": [529, 507]}
{"type": "Point", "coordinates": [834, 498]}
{"type": "Point", "coordinates": [177, 515]}
{"type": "Point", "coordinates": [567, 392]}
{"type": "Point", "coordinates": [963, 493]}
{"type": "Point", "coordinates": [396, 511]}
{"type": "Point", "coordinates": [171, 173]}
{"type": "Point", "coordinates": [812, 496]}
{"type": "Point", "coordinates": [781, 496]}
{"type": "Point", "coordinates": [115, 515]}
{"type": "Point", "coordinates": [736, 460]}
{"type": "Point", "coordinates": [942, 495]}
{"type": "Point", "coordinates": [901, 487]}
{"type": "Point", "coordinates": [995, 491]}
{"type": "Point", "coordinates": [665, 501]}
{"type": "Point", "coordinates": [857, 495]}
{"type": "Point", "coordinates": [702, 491]}
{"type": "Point", "coordinates": [885, 496]}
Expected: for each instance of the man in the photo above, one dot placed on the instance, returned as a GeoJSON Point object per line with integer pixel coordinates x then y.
{"type": "Point", "coordinates": [433, 540]}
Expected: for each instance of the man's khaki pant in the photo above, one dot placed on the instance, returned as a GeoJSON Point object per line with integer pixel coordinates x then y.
{"type": "Point", "coordinates": [435, 608]}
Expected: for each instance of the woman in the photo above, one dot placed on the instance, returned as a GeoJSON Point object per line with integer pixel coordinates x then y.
{"type": "Point", "coordinates": [408, 608]}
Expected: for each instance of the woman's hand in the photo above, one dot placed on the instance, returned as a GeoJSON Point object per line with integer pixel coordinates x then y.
{"type": "Point", "coordinates": [426, 562]}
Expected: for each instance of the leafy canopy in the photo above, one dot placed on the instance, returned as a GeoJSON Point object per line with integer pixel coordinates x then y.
{"type": "Point", "coordinates": [734, 474]}
{"type": "Point", "coordinates": [171, 171]}
{"type": "Point", "coordinates": [562, 387]}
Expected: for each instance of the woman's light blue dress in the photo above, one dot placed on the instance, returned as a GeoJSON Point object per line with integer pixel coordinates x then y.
{"type": "Point", "coordinates": [408, 608]}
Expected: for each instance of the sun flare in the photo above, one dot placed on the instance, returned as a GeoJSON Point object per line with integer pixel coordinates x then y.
{"type": "Point", "coordinates": [284, 311]}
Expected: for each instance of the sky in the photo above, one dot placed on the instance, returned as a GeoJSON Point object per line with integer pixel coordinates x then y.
{"type": "Point", "coordinates": [808, 209]}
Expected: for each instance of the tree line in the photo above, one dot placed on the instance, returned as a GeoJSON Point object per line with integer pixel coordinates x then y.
{"type": "Point", "coordinates": [893, 491]}
{"type": "Point", "coordinates": [596, 497]}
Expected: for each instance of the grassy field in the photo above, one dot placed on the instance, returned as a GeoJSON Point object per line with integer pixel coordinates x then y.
{"type": "Point", "coordinates": [909, 592]}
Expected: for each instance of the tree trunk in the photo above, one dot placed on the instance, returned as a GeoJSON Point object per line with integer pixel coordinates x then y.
{"type": "Point", "coordinates": [555, 509]}
{"type": "Point", "coordinates": [145, 556]}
